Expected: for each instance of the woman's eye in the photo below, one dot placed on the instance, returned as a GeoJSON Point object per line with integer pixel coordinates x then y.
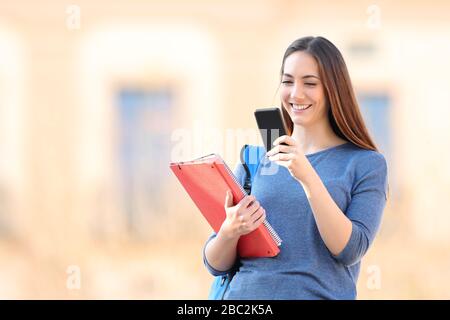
{"type": "Point", "coordinates": [286, 82]}
{"type": "Point", "coordinates": [310, 84]}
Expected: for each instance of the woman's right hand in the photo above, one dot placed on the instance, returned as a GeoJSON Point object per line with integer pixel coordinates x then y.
{"type": "Point", "coordinates": [242, 218]}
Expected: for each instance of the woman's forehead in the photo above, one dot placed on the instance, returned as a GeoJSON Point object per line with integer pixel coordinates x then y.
{"type": "Point", "coordinates": [299, 64]}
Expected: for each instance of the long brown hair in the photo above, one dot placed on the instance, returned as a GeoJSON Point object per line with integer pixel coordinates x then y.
{"type": "Point", "coordinates": [343, 113]}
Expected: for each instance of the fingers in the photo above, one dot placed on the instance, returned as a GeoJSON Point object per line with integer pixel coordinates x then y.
{"type": "Point", "coordinates": [280, 149]}
{"type": "Point", "coordinates": [245, 202]}
{"type": "Point", "coordinates": [228, 199]}
{"type": "Point", "coordinates": [248, 224]}
{"type": "Point", "coordinates": [284, 139]}
{"type": "Point", "coordinates": [253, 207]}
{"type": "Point", "coordinates": [257, 214]}
{"type": "Point", "coordinates": [282, 157]}
{"type": "Point", "coordinates": [251, 216]}
{"type": "Point", "coordinates": [260, 217]}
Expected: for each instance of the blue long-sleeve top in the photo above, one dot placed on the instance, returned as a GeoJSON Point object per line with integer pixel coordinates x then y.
{"type": "Point", "coordinates": [305, 269]}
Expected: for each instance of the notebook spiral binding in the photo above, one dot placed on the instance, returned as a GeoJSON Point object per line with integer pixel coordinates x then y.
{"type": "Point", "coordinates": [272, 232]}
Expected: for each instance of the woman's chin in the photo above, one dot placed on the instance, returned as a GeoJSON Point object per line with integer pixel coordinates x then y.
{"type": "Point", "coordinates": [298, 120]}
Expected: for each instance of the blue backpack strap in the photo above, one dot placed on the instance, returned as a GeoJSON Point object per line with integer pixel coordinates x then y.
{"type": "Point", "coordinates": [250, 158]}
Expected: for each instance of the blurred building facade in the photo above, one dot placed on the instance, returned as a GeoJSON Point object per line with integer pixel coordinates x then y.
{"type": "Point", "coordinates": [97, 97]}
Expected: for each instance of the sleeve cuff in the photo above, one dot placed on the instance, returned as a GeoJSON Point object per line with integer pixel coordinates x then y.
{"type": "Point", "coordinates": [348, 256]}
{"type": "Point", "coordinates": [210, 269]}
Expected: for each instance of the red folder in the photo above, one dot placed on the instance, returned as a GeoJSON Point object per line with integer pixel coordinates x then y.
{"type": "Point", "coordinates": [207, 180]}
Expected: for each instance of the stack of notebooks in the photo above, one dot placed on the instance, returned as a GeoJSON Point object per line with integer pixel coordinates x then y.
{"type": "Point", "coordinates": [207, 180]}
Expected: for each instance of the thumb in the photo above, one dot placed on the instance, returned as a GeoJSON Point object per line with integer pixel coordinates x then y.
{"type": "Point", "coordinates": [228, 199]}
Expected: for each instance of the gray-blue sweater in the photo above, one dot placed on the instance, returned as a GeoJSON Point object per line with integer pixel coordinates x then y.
{"type": "Point", "coordinates": [305, 268]}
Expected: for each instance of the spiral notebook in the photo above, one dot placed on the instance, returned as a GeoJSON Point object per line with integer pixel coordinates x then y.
{"type": "Point", "coordinates": [207, 180]}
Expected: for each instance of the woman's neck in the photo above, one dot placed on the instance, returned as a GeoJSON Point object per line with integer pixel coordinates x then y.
{"type": "Point", "coordinates": [315, 138]}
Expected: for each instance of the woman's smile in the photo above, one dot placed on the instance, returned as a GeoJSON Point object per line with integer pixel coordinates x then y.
{"type": "Point", "coordinates": [300, 108]}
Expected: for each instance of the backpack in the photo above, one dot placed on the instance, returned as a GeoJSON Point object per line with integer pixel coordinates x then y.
{"type": "Point", "coordinates": [250, 158]}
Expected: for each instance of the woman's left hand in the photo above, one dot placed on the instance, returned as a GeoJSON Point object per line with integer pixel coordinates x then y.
{"type": "Point", "coordinates": [291, 157]}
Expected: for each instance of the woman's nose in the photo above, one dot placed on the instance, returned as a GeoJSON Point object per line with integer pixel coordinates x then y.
{"type": "Point", "coordinates": [297, 93]}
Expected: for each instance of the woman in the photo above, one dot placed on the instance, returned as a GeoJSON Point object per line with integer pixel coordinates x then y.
{"type": "Point", "coordinates": [327, 197]}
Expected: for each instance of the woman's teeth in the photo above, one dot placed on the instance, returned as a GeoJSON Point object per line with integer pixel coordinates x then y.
{"type": "Point", "coordinates": [300, 106]}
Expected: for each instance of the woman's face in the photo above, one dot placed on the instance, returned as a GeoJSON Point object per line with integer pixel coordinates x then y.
{"type": "Point", "coordinates": [302, 92]}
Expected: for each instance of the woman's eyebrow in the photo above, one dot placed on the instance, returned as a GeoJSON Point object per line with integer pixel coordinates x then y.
{"type": "Point", "coordinates": [304, 77]}
{"type": "Point", "coordinates": [310, 76]}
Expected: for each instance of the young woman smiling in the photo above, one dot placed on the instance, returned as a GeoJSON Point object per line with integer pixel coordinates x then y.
{"type": "Point", "coordinates": [326, 200]}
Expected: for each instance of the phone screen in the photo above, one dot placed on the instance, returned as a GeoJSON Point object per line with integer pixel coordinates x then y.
{"type": "Point", "coordinates": [271, 125]}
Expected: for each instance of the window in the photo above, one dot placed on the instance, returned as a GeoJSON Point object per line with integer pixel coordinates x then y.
{"type": "Point", "coordinates": [375, 107]}
{"type": "Point", "coordinates": [144, 124]}
{"type": "Point", "coordinates": [376, 112]}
